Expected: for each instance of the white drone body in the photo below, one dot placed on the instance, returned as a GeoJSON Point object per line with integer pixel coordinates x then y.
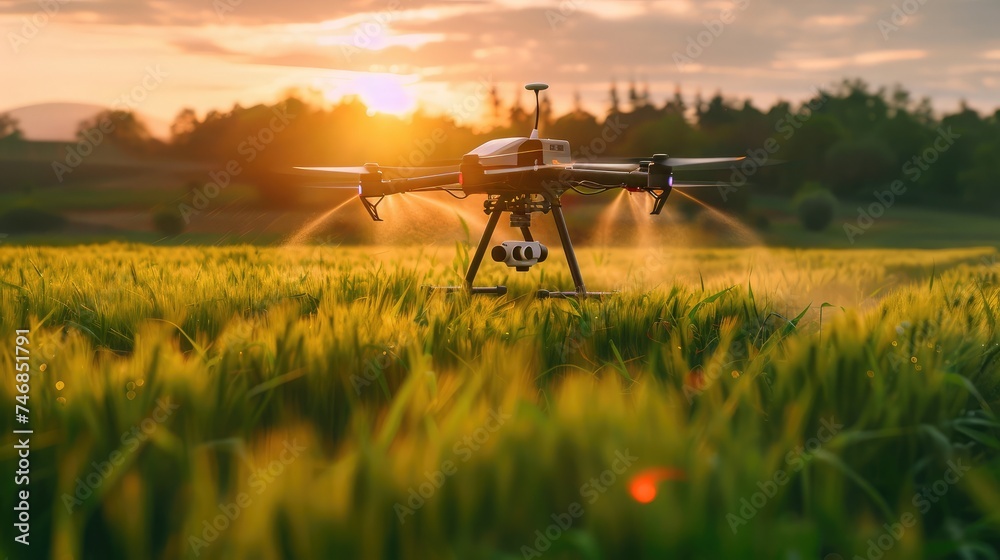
{"type": "Point", "coordinates": [509, 152]}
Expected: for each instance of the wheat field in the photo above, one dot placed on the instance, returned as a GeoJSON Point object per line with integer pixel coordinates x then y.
{"type": "Point", "coordinates": [318, 402]}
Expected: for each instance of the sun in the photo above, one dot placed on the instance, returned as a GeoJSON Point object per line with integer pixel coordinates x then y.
{"type": "Point", "coordinates": [381, 93]}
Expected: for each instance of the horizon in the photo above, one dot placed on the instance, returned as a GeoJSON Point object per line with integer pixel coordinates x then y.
{"type": "Point", "coordinates": [160, 128]}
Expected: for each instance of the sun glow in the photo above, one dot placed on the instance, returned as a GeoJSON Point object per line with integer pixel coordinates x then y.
{"type": "Point", "coordinates": [381, 93]}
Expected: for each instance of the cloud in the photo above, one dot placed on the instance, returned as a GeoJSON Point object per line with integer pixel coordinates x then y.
{"type": "Point", "coordinates": [208, 12]}
{"type": "Point", "coordinates": [873, 58]}
{"type": "Point", "coordinates": [835, 22]}
{"type": "Point", "coordinates": [884, 57]}
{"type": "Point", "coordinates": [780, 48]}
{"type": "Point", "coordinates": [201, 46]}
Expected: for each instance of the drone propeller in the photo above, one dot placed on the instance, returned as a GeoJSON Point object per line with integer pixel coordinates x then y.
{"type": "Point", "coordinates": [352, 175]}
{"type": "Point", "coordinates": [598, 166]}
{"type": "Point", "coordinates": [618, 164]}
{"type": "Point", "coordinates": [634, 164]}
{"type": "Point", "coordinates": [687, 164]}
{"type": "Point", "coordinates": [346, 186]}
{"type": "Point", "coordinates": [703, 163]}
{"type": "Point", "coordinates": [701, 184]}
{"type": "Point", "coordinates": [356, 170]}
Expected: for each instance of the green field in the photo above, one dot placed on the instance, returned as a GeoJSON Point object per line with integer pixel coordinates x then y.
{"type": "Point", "coordinates": [317, 402]}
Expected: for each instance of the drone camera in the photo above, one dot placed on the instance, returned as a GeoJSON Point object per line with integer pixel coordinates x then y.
{"type": "Point", "coordinates": [520, 255]}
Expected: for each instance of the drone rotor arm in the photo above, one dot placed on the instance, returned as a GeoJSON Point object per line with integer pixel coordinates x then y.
{"type": "Point", "coordinates": [425, 183]}
{"type": "Point", "coordinates": [605, 178]}
{"type": "Point", "coordinates": [372, 188]}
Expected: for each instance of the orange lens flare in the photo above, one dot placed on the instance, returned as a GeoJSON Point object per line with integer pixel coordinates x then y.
{"type": "Point", "coordinates": [643, 490]}
{"type": "Point", "coordinates": [643, 485]}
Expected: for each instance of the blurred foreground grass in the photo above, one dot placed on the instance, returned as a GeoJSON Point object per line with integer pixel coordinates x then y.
{"type": "Point", "coordinates": [317, 403]}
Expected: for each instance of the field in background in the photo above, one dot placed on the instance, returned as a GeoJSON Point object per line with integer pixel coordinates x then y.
{"type": "Point", "coordinates": [316, 402]}
{"type": "Point", "coordinates": [106, 211]}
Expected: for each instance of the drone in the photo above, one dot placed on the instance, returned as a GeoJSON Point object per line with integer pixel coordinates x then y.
{"type": "Point", "coordinates": [522, 177]}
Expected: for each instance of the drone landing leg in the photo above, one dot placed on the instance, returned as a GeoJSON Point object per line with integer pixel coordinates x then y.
{"type": "Point", "coordinates": [567, 245]}
{"type": "Point", "coordinates": [574, 266]}
{"type": "Point", "coordinates": [477, 259]}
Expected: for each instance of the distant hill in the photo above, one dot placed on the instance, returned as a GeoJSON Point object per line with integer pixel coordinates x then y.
{"type": "Point", "coordinates": [59, 121]}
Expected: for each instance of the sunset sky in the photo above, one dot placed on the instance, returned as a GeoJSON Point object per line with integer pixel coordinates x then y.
{"type": "Point", "coordinates": [400, 54]}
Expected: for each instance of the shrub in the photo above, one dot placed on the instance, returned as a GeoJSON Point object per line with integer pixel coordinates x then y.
{"type": "Point", "coordinates": [30, 219]}
{"type": "Point", "coordinates": [168, 221]}
{"type": "Point", "coordinates": [815, 207]}
{"type": "Point", "coordinates": [761, 222]}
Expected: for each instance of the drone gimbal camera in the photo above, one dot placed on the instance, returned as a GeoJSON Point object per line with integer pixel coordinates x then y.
{"type": "Point", "coordinates": [520, 255]}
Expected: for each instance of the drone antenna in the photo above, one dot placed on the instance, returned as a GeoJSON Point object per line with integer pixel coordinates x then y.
{"type": "Point", "coordinates": [536, 87]}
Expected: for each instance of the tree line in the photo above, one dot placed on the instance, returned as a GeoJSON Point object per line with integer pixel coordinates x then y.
{"type": "Point", "coordinates": [850, 138]}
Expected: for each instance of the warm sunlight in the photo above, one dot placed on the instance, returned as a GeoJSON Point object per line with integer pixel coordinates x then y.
{"type": "Point", "coordinates": [502, 279]}
{"type": "Point", "coordinates": [381, 93]}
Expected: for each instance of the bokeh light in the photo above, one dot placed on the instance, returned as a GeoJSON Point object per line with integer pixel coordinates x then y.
{"type": "Point", "coordinates": [643, 486]}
